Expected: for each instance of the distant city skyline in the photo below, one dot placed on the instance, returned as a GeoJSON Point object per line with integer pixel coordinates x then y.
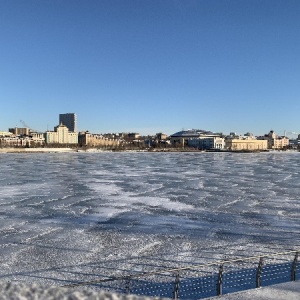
{"type": "Point", "coordinates": [69, 120]}
{"type": "Point", "coordinates": [151, 66]}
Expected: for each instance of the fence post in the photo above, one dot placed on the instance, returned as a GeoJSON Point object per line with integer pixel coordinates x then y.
{"type": "Point", "coordinates": [294, 267]}
{"type": "Point", "coordinates": [258, 272]}
{"type": "Point", "coordinates": [127, 286]}
{"type": "Point", "coordinates": [220, 281]}
{"type": "Point", "coordinates": [176, 287]}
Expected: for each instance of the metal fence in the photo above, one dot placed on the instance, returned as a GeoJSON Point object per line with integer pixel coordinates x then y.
{"type": "Point", "coordinates": [208, 280]}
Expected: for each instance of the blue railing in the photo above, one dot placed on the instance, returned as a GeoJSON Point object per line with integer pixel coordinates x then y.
{"type": "Point", "coordinates": [202, 281]}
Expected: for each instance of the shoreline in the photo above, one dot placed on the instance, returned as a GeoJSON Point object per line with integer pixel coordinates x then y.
{"type": "Point", "coordinates": [37, 150]}
{"type": "Point", "coordinates": [95, 150]}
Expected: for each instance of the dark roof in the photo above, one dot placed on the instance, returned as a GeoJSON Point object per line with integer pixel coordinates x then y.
{"type": "Point", "coordinates": [191, 133]}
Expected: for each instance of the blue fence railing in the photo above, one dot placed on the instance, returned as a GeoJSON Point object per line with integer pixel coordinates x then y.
{"type": "Point", "coordinates": [202, 281]}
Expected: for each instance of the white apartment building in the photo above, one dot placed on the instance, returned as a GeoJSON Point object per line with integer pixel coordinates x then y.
{"type": "Point", "coordinates": [61, 135]}
{"type": "Point", "coordinates": [205, 143]}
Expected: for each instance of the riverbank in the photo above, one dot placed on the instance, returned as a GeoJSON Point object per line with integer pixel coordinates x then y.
{"type": "Point", "coordinates": [36, 150]}
{"type": "Point", "coordinates": [96, 150]}
{"type": "Point", "coordinates": [89, 150]}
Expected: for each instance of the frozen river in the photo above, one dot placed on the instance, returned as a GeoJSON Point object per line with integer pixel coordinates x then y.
{"type": "Point", "coordinates": [80, 216]}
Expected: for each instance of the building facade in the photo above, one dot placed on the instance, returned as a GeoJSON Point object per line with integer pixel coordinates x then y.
{"type": "Point", "coordinates": [246, 144]}
{"type": "Point", "coordinates": [86, 138]}
{"type": "Point", "coordinates": [69, 120]}
{"type": "Point", "coordinates": [19, 131]}
{"type": "Point", "coordinates": [5, 134]}
{"type": "Point", "coordinates": [275, 141]}
{"type": "Point", "coordinates": [21, 141]}
{"type": "Point", "coordinates": [37, 138]}
{"type": "Point", "coordinates": [191, 137]}
{"type": "Point", "coordinates": [206, 143]}
{"type": "Point", "coordinates": [61, 135]}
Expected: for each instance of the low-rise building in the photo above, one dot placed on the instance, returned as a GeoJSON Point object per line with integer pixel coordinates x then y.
{"type": "Point", "coordinates": [12, 141]}
{"type": "Point", "coordinates": [19, 131]}
{"type": "Point", "coordinates": [133, 135]}
{"type": "Point", "coordinates": [191, 137]}
{"type": "Point", "coordinates": [16, 141]}
{"type": "Point", "coordinates": [275, 141]}
{"type": "Point", "coordinates": [85, 138]}
{"type": "Point", "coordinates": [5, 134]}
{"type": "Point", "coordinates": [206, 143]}
{"type": "Point", "coordinates": [161, 136]}
{"type": "Point", "coordinates": [37, 138]}
{"type": "Point", "coordinates": [246, 144]}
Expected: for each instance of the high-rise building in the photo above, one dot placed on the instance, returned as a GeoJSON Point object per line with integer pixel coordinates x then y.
{"type": "Point", "coordinates": [69, 120]}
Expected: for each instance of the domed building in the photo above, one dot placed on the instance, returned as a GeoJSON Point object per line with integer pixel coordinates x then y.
{"type": "Point", "coordinates": [197, 138]}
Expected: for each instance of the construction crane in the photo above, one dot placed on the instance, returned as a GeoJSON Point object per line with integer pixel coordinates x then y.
{"type": "Point", "coordinates": [292, 133]}
{"type": "Point", "coordinates": [26, 126]}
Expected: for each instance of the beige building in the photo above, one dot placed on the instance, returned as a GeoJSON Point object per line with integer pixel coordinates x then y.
{"type": "Point", "coordinates": [161, 136]}
{"type": "Point", "coordinates": [5, 134]}
{"type": "Point", "coordinates": [275, 141]}
{"type": "Point", "coordinates": [61, 135]}
{"type": "Point", "coordinates": [19, 131]}
{"type": "Point", "coordinates": [95, 140]}
{"type": "Point", "coordinates": [246, 144]}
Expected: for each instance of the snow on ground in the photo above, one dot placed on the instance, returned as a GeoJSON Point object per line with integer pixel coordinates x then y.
{"type": "Point", "coordinates": [21, 291]}
{"type": "Point", "coordinates": [8, 291]}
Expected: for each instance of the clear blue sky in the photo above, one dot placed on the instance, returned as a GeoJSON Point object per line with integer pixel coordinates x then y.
{"type": "Point", "coordinates": [151, 66]}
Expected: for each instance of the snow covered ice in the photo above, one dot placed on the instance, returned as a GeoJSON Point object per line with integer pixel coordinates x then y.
{"type": "Point", "coordinates": [67, 217]}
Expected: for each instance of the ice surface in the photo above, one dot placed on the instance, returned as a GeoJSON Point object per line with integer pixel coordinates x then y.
{"type": "Point", "coordinates": [67, 217]}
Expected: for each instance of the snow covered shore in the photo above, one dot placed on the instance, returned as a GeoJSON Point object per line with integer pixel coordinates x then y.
{"type": "Point", "coordinates": [36, 150]}
{"type": "Point", "coordinates": [14, 290]}
{"type": "Point", "coordinates": [9, 290]}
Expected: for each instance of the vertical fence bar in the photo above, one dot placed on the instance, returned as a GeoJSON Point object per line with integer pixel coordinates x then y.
{"type": "Point", "coordinates": [176, 287]}
{"type": "Point", "coordinates": [127, 286]}
{"type": "Point", "coordinates": [258, 272]}
{"type": "Point", "coordinates": [294, 267]}
{"type": "Point", "coordinates": [220, 281]}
